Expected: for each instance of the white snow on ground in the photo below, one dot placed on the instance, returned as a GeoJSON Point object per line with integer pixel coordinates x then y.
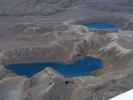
{"type": "Point", "coordinates": [124, 96]}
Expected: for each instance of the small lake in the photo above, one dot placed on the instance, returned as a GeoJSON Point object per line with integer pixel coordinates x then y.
{"type": "Point", "coordinates": [81, 67]}
{"type": "Point", "coordinates": [102, 26]}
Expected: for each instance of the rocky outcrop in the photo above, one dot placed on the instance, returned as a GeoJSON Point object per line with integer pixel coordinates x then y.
{"type": "Point", "coordinates": [53, 87]}
{"type": "Point", "coordinates": [4, 73]}
{"type": "Point", "coordinates": [12, 88]}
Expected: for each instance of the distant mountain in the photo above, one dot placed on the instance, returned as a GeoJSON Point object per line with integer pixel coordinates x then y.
{"type": "Point", "coordinates": [33, 7]}
{"type": "Point", "coordinates": [48, 7]}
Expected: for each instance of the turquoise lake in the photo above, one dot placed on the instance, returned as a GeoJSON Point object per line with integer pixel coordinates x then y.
{"type": "Point", "coordinates": [102, 26]}
{"type": "Point", "coordinates": [81, 67]}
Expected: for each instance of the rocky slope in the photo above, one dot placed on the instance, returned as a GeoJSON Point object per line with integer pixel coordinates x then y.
{"type": "Point", "coordinates": [73, 42]}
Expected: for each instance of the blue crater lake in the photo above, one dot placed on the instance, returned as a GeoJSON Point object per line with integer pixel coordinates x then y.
{"type": "Point", "coordinates": [102, 26]}
{"type": "Point", "coordinates": [81, 67]}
